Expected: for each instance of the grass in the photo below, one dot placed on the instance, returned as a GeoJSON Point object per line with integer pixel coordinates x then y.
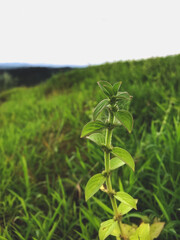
{"type": "Point", "coordinates": [44, 165]}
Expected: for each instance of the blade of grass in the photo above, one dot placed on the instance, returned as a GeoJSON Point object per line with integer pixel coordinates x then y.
{"type": "Point", "coordinates": [161, 207]}
{"type": "Point", "coordinates": [26, 176]}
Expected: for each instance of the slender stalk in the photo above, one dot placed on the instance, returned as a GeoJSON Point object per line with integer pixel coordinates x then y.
{"type": "Point", "coordinates": [108, 139]}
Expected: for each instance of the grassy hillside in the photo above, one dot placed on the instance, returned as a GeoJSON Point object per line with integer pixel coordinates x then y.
{"type": "Point", "coordinates": [44, 165]}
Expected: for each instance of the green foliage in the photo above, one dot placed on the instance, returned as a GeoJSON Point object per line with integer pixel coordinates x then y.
{"type": "Point", "coordinates": [114, 226]}
{"type": "Point", "coordinates": [106, 228]}
{"type": "Point", "coordinates": [92, 127]}
{"type": "Point", "coordinates": [98, 138]}
{"type": "Point", "coordinates": [124, 156]}
{"type": "Point", "coordinates": [142, 232]}
{"type": "Point", "coordinates": [7, 81]}
{"type": "Point", "coordinates": [125, 208]}
{"type": "Point", "coordinates": [42, 124]}
{"type": "Point", "coordinates": [116, 87]}
{"type": "Point", "coordinates": [116, 163]}
{"type": "Point", "coordinates": [106, 88]}
{"type": "Point", "coordinates": [125, 119]}
{"type": "Point", "coordinates": [155, 229]}
{"type": "Point", "coordinates": [126, 198]}
{"type": "Point", "coordinates": [93, 185]}
{"type": "Point", "coordinates": [99, 108]}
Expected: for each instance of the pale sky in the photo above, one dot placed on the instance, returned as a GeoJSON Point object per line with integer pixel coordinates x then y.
{"type": "Point", "coordinates": [87, 32]}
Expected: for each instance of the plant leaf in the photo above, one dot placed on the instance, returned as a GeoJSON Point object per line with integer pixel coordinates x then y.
{"type": "Point", "coordinates": [163, 209]}
{"type": "Point", "coordinates": [123, 155]}
{"type": "Point", "coordinates": [106, 87]}
{"type": "Point", "coordinates": [92, 127]}
{"type": "Point", "coordinates": [128, 230]}
{"type": "Point", "coordinates": [93, 185]}
{"type": "Point", "coordinates": [99, 108]}
{"type": "Point", "coordinates": [126, 198]}
{"type": "Point", "coordinates": [134, 236]}
{"type": "Point", "coordinates": [155, 229]}
{"type": "Point", "coordinates": [144, 231]}
{"type": "Point", "coordinates": [124, 208]}
{"type": "Point", "coordinates": [116, 163]}
{"type": "Point", "coordinates": [106, 228]}
{"type": "Point", "coordinates": [98, 138]}
{"type": "Point", "coordinates": [125, 119]}
{"type": "Point", "coordinates": [116, 87]}
{"type": "Point", "coordinates": [123, 95]}
{"type": "Point", "coordinates": [116, 230]}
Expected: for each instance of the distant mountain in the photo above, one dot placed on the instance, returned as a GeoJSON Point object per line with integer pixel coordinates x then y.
{"type": "Point", "coordinates": [26, 65]}
{"type": "Point", "coordinates": [13, 65]}
{"type": "Point", "coordinates": [41, 65]}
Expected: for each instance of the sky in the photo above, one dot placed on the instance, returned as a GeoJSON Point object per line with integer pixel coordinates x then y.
{"type": "Point", "coordinates": [87, 32]}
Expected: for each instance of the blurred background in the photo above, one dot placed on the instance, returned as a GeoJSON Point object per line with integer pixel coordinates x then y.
{"type": "Point", "coordinates": [52, 54]}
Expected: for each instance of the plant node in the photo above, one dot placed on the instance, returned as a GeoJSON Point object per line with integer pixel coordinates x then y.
{"type": "Point", "coordinates": [114, 109]}
{"type": "Point", "coordinates": [118, 217]}
{"type": "Point", "coordinates": [113, 100]}
{"type": "Point", "coordinates": [106, 149]}
{"type": "Point", "coordinates": [111, 193]}
{"type": "Point", "coordinates": [106, 174]}
{"type": "Point", "coordinates": [110, 126]}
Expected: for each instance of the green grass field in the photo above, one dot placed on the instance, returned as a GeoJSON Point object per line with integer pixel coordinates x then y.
{"type": "Point", "coordinates": [44, 165]}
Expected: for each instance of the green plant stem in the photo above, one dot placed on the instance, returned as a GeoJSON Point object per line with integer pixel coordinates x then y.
{"type": "Point", "coordinates": [108, 139]}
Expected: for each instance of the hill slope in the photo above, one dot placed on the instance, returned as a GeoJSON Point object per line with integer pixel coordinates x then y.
{"type": "Point", "coordinates": [44, 165]}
